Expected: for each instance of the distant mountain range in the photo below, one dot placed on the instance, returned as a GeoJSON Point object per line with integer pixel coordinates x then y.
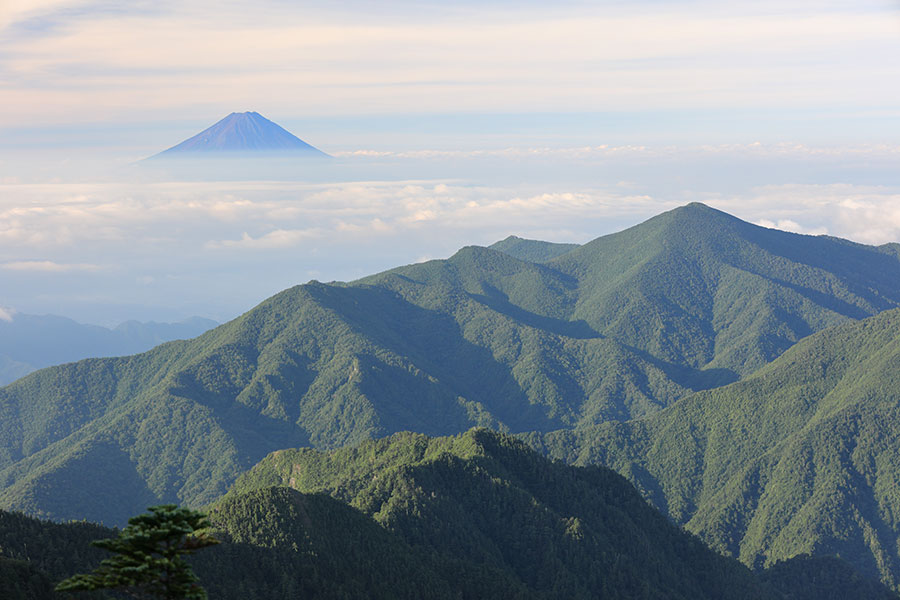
{"type": "Point", "coordinates": [668, 351]}
{"type": "Point", "coordinates": [242, 133]}
{"type": "Point", "coordinates": [31, 342]}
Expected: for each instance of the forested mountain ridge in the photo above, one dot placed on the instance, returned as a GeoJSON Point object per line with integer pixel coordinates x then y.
{"type": "Point", "coordinates": [531, 250]}
{"type": "Point", "coordinates": [800, 457]}
{"type": "Point", "coordinates": [560, 531]}
{"type": "Point", "coordinates": [474, 516]}
{"type": "Point", "coordinates": [701, 287]}
{"type": "Point", "coordinates": [617, 328]}
{"type": "Point", "coordinates": [484, 499]}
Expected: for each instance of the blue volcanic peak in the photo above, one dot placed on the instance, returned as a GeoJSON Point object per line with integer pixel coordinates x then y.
{"type": "Point", "coordinates": [244, 132]}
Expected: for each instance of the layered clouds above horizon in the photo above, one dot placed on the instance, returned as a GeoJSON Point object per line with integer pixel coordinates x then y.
{"type": "Point", "coordinates": [451, 125]}
{"type": "Point", "coordinates": [67, 61]}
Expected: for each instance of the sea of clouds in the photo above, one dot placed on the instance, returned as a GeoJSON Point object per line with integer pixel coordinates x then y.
{"type": "Point", "coordinates": [137, 247]}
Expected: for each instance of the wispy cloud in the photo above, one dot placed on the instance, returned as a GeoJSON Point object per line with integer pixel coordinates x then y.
{"type": "Point", "coordinates": [278, 238]}
{"type": "Point", "coordinates": [17, 11]}
{"type": "Point", "coordinates": [792, 226]}
{"type": "Point", "coordinates": [206, 58]}
{"type": "Point", "coordinates": [6, 314]}
{"type": "Point", "coordinates": [48, 266]}
{"type": "Point", "coordinates": [877, 151]}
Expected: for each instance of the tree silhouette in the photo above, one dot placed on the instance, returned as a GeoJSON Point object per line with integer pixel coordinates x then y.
{"type": "Point", "coordinates": [149, 556]}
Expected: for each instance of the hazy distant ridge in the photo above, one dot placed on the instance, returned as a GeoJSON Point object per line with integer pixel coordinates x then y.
{"type": "Point", "coordinates": [31, 342]}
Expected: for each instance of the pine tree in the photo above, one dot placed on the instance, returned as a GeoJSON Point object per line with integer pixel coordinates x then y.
{"type": "Point", "coordinates": [149, 556]}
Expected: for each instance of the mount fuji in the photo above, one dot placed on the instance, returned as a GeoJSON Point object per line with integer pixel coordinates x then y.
{"type": "Point", "coordinates": [243, 133]}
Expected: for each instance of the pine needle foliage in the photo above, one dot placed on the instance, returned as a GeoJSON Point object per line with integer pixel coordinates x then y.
{"type": "Point", "coordinates": [149, 556]}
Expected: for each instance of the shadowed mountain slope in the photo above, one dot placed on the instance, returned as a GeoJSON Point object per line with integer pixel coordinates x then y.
{"type": "Point", "coordinates": [314, 546]}
{"type": "Point", "coordinates": [801, 457]}
{"type": "Point", "coordinates": [617, 328]}
{"type": "Point", "coordinates": [487, 499]}
{"type": "Point", "coordinates": [822, 578]}
{"type": "Point", "coordinates": [475, 516]}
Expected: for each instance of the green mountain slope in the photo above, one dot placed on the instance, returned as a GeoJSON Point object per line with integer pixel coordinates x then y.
{"type": "Point", "coordinates": [276, 543]}
{"type": "Point", "coordinates": [476, 516]}
{"type": "Point", "coordinates": [531, 250]}
{"type": "Point", "coordinates": [801, 457]}
{"type": "Point", "coordinates": [699, 287]}
{"type": "Point", "coordinates": [487, 499]}
{"type": "Point", "coordinates": [617, 328]}
{"type": "Point", "coordinates": [822, 578]}
{"type": "Point", "coordinates": [35, 555]}
{"type": "Point", "coordinates": [284, 544]}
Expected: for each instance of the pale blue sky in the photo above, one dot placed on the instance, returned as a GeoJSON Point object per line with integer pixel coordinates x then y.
{"type": "Point", "coordinates": [453, 123]}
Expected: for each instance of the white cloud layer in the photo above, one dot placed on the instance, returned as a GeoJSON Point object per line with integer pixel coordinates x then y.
{"type": "Point", "coordinates": [867, 214]}
{"type": "Point", "coordinates": [117, 250]}
{"type": "Point", "coordinates": [115, 220]}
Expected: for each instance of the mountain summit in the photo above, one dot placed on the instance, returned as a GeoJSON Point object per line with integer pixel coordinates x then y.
{"type": "Point", "coordinates": [247, 132]}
